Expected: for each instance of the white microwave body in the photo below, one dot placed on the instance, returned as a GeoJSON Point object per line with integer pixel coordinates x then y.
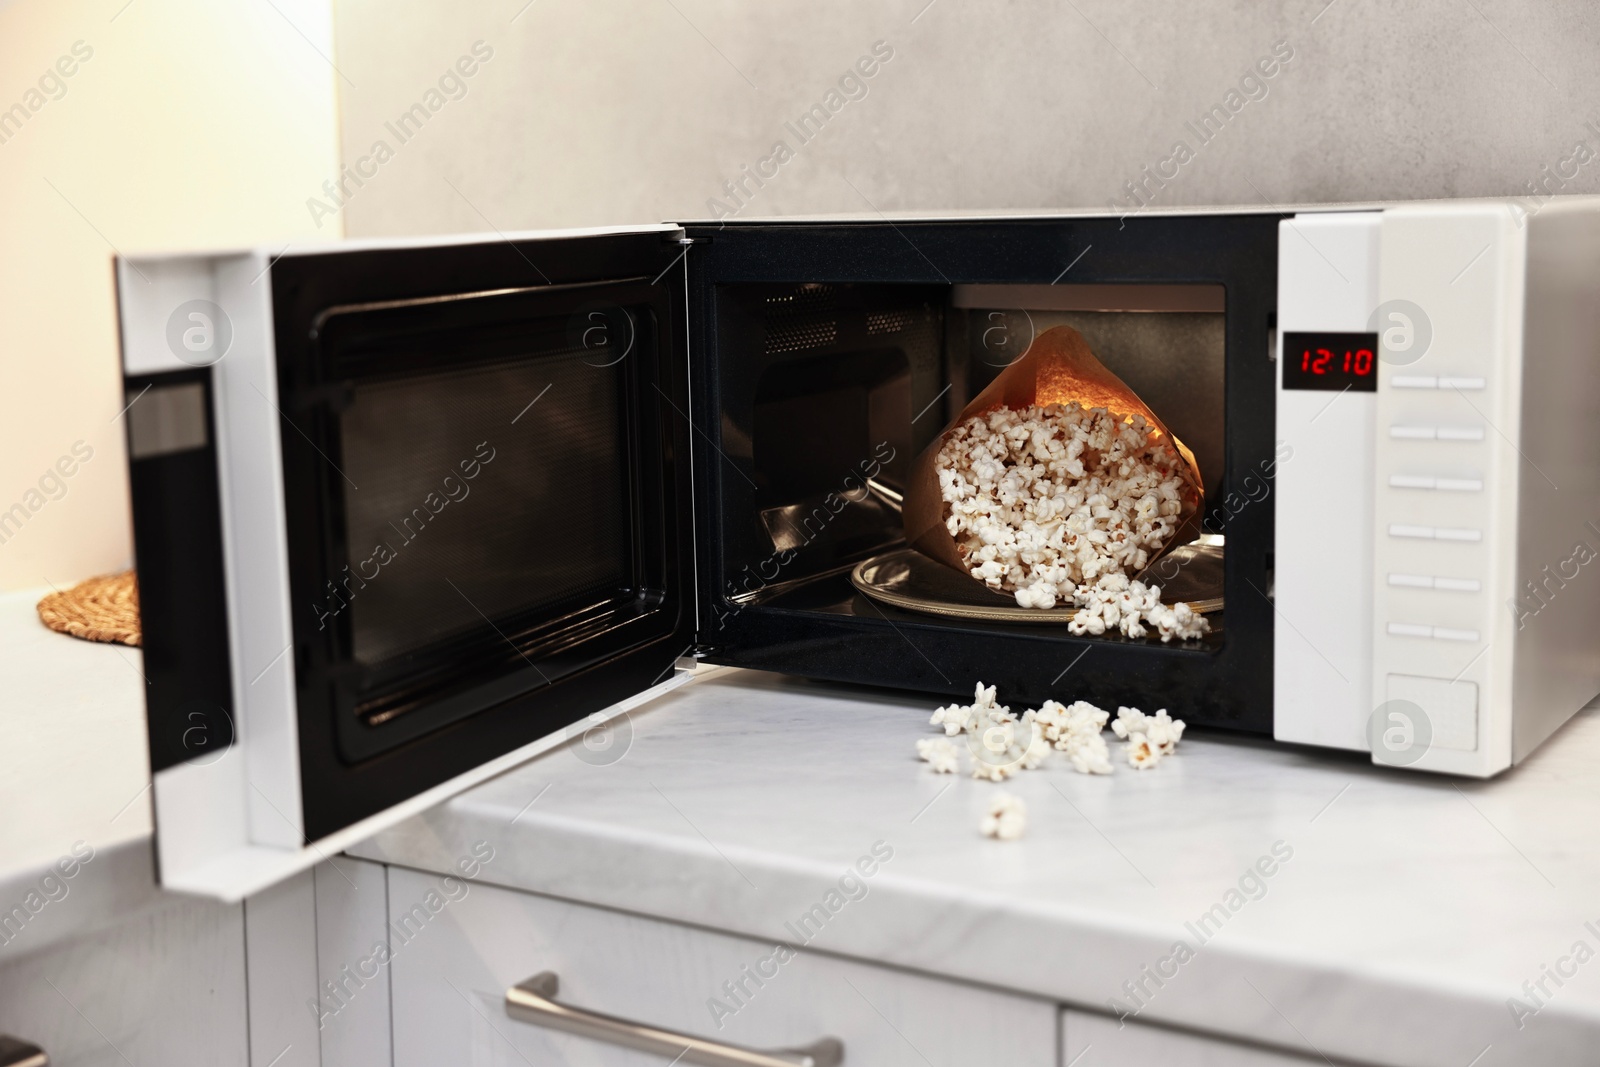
{"type": "Point", "coordinates": [1433, 534]}
{"type": "Point", "coordinates": [1409, 465]}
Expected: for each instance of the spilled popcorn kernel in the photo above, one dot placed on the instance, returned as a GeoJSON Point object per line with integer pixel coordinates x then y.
{"type": "Point", "coordinates": [1142, 755]}
{"type": "Point", "coordinates": [992, 772]}
{"type": "Point", "coordinates": [1007, 817]}
{"type": "Point", "coordinates": [1129, 720]}
{"type": "Point", "coordinates": [1163, 731]}
{"type": "Point", "coordinates": [1075, 730]}
{"type": "Point", "coordinates": [1084, 719]}
{"type": "Point", "coordinates": [1035, 753]}
{"type": "Point", "coordinates": [1002, 744]}
{"type": "Point", "coordinates": [1089, 754]}
{"type": "Point", "coordinates": [1051, 718]}
{"type": "Point", "coordinates": [954, 718]}
{"type": "Point", "coordinates": [974, 717]}
{"type": "Point", "coordinates": [1116, 603]}
{"type": "Point", "coordinates": [1149, 737]}
{"type": "Point", "coordinates": [939, 752]}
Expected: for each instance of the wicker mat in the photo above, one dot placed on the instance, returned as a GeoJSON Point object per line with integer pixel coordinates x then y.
{"type": "Point", "coordinates": [100, 609]}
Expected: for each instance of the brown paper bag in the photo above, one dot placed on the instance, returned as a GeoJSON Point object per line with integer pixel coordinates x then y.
{"type": "Point", "coordinates": [1058, 368]}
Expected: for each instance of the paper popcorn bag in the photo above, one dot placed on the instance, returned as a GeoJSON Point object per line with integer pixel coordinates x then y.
{"type": "Point", "coordinates": [1058, 368]}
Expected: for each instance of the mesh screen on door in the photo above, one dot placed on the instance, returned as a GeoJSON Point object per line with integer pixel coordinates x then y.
{"type": "Point", "coordinates": [465, 505]}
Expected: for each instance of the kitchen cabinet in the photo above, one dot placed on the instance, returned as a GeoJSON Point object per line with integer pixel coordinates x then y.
{"type": "Point", "coordinates": [164, 987]}
{"type": "Point", "coordinates": [1090, 1039]}
{"type": "Point", "coordinates": [451, 969]}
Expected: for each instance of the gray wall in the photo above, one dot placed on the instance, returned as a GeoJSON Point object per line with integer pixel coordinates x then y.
{"type": "Point", "coordinates": [639, 110]}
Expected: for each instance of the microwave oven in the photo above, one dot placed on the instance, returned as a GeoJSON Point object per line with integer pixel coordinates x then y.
{"type": "Point", "coordinates": [408, 512]}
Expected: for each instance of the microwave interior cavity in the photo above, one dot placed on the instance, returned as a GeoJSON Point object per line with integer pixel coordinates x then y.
{"type": "Point", "coordinates": [838, 387]}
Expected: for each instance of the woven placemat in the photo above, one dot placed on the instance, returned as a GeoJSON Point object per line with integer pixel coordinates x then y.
{"type": "Point", "coordinates": [100, 609]}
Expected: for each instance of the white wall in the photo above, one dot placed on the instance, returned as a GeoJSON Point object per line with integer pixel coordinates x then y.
{"type": "Point", "coordinates": [639, 110]}
{"type": "Point", "coordinates": [192, 123]}
{"type": "Point", "coordinates": [202, 123]}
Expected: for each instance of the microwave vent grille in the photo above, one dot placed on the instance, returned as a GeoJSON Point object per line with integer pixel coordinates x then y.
{"type": "Point", "coordinates": [799, 336]}
{"type": "Point", "coordinates": [889, 321]}
{"type": "Point", "coordinates": [802, 298]}
{"type": "Point", "coordinates": [802, 318]}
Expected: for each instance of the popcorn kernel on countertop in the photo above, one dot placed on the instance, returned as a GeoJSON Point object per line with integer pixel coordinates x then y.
{"type": "Point", "coordinates": [1018, 744]}
{"type": "Point", "coordinates": [939, 753]}
{"type": "Point", "coordinates": [1006, 819]}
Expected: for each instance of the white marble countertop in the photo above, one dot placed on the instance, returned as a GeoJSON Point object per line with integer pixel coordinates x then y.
{"type": "Point", "coordinates": [74, 769]}
{"type": "Point", "coordinates": [1410, 909]}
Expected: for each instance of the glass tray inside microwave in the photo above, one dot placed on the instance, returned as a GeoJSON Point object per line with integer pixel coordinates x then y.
{"type": "Point", "coordinates": [905, 578]}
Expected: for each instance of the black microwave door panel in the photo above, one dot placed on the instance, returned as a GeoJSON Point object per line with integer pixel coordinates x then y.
{"type": "Point", "coordinates": [825, 351]}
{"type": "Point", "coordinates": [178, 549]}
{"type": "Point", "coordinates": [485, 465]}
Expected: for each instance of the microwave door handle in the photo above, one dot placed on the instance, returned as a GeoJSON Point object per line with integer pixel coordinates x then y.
{"type": "Point", "coordinates": [533, 1001]}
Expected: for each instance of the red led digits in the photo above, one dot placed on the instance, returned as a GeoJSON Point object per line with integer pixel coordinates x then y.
{"type": "Point", "coordinates": [1333, 361]}
{"type": "Point", "coordinates": [1358, 362]}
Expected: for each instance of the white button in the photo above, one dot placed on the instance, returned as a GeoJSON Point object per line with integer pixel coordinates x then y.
{"type": "Point", "coordinates": [1458, 585]}
{"type": "Point", "coordinates": [1451, 707]}
{"type": "Point", "coordinates": [1438, 633]}
{"type": "Point", "coordinates": [1401, 530]}
{"type": "Point", "coordinates": [1412, 481]}
{"type": "Point", "coordinates": [1460, 485]}
{"type": "Point", "coordinates": [1457, 533]}
{"type": "Point", "coordinates": [1414, 381]}
{"type": "Point", "coordinates": [1414, 433]}
{"type": "Point", "coordinates": [1460, 383]}
{"type": "Point", "coordinates": [1411, 581]}
{"type": "Point", "coordinates": [1409, 629]}
{"type": "Point", "coordinates": [1461, 433]}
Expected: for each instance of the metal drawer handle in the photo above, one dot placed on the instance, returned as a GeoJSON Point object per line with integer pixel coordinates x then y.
{"type": "Point", "coordinates": [15, 1053]}
{"type": "Point", "coordinates": [533, 1001]}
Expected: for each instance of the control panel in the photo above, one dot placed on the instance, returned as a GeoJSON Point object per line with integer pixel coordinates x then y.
{"type": "Point", "coordinates": [1445, 485]}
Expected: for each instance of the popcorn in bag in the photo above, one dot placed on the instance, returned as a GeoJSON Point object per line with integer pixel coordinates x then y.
{"type": "Point", "coordinates": [1057, 483]}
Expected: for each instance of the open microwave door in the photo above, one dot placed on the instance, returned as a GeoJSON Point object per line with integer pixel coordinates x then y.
{"type": "Point", "coordinates": [405, 514]}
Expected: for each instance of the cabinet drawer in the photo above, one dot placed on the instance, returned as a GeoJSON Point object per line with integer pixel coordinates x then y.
{"type": "Point", "coordinates": [163, 987]}
{"type": "Point", "coordinates": [453, 960]}
{"type": "Point", "coordinates": [1090, 1039]}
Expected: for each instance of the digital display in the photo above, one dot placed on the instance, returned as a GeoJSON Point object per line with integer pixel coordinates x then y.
{"type": "Point", "coordinates": [1332, 361]}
